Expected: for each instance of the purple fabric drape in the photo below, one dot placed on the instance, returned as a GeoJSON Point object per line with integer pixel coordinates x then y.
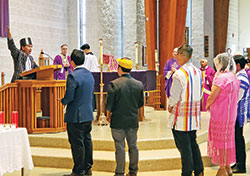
{"type": "Point", "coordinates": [4, 17]}
{"type": "Point", "coordinates": [148, 78]}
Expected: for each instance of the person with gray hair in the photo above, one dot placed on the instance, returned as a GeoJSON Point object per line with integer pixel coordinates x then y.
{"type": "Point", "coordinates": [224, 62]}
{"type": "Point", "coordinates": [170, 67]}
{"type": "Point", "coordinates": [225, 91]}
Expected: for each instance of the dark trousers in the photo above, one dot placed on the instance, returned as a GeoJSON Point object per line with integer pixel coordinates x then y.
{"type": "Point", "coordinates": [81, 146]}
{"type": "Point", "coordinates": [190, 153]}
{"type": "Point", "coordinates": [240, 146]}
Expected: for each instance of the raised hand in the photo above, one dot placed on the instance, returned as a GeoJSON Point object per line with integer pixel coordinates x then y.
{"type": "Point", "coordinates": [173, 69]}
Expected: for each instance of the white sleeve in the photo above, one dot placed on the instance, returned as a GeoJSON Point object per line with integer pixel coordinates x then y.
{"type": "Point", "coordinates": [241, 93]}
{"type": "Point", "coordinates": [96, 64]}
{"type": "Point", "coordinates": [86, 62]}
{"type": "Point", "coordinates": [175, 92]}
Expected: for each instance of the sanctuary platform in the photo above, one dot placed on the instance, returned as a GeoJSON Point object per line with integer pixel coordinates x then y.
{"type": "Point", "coordinates": [157, 150]}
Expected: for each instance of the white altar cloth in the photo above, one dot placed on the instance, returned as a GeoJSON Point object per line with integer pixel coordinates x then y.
{"type": "Point", "coordinates": [15, 152]}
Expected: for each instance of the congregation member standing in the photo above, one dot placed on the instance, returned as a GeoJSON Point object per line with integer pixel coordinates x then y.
{"type": "Point", "coordinates": [63, 60]}
{"type": "Point", "coordinates": [209, 73]}
{"type": "Point", "coordinates": [247, 68]}
{"type": "Point", "coordinates": [222, 103]}
{"type": "Point", "coordinates": [22, 59]}
{"type": "Point", "coordinates": [243, 114]}
{"type": "Point", "coordinates": [170, 67]}
{"type": "Point", "coordinates": [124, 98]}
{"type": "Point", "coordinates": [184, 109]}
{"type": "Point", "coordinates": [79, 115]}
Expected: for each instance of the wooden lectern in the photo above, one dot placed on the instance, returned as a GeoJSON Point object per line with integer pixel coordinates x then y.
{"type": "Point", "coordinates": [40, 110]}
{"type": "Point", "coordinates": [43, 72]}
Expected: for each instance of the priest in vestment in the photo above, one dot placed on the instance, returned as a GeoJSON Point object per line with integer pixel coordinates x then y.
{"type": "Point", "coordinates": [170, 67]}
{"type": "Point", "coordinates": [64, 60]}
{"type": "Point", "coordinates": [209, 73]}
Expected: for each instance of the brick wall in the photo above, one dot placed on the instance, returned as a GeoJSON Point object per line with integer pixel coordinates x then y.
{"type": "Point", "coordinates": [49, 23]}
{"type": "Point", "coordinates": [109, 14]}
{"type": "Point", "coordinates": [130, 28]}
{"type": "Point", "coordinates": [141, 32]}
{"type": "Point", "coordinates": [233, 26]}
{"type": "Point", "coordinates": [73, 24]}
{"type": "Point", "coordinates": [244, 25]}
{"type": "Point", "coordinates": [104, 21]}
{"type": "Point", "coordinates": [209, 28]}
{"type": "Point", "coordinates": [53, 22]}
{"type": "Point", "coordinates": [197, 31]}
{"type": "Point", "coordinates": [93, 26]}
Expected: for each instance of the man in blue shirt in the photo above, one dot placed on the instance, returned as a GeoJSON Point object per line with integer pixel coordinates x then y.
{"type": "Point", "coordinates": [79, 114]}
{"type": "Point", "coordinates": [242, 114]}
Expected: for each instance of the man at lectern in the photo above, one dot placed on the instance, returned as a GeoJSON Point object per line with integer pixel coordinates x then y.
{"type": "Point", "coordinates": [22, 59]}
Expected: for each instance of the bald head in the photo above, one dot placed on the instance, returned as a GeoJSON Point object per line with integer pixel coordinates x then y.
{"type": "Point", "coordinates": [203, 63]}
{"type": "Point", "coordinates": [175, 53]}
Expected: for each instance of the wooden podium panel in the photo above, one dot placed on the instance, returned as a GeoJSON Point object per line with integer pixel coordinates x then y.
{"type": "Point", "coordinates": [35, 96]}
{"type": "Point", "coordinates": [8, 100]}
{"type": "Point", "coordinates": [35, 100]}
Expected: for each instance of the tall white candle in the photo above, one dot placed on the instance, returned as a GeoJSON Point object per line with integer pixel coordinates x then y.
{"type": "Point", "coordinates": [136, 53]}
{"type": "Point", "coordinates": [101, 54]}
{"type": "Point", "coordinates": [156, 56]}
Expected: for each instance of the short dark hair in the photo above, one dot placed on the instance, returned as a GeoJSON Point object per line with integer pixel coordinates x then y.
{"type": "Point", "coordinates": [185, 50]}
{"type": "Point", "coordinates": [85, 46]}
{"type": "Point", "coordinates": [239, 59]}
{"type": "Point", "coordinates": [125, 69]}
{"type": "Point", "coordinates": [77, 57]}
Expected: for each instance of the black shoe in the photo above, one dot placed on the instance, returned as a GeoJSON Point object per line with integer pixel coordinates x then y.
{"type": "Point", "coordinates": [131, 174]}
{"type": "Point", "coordinates": [238, 169]}
{"type": "Point", "coordinates": [233, 166]}
{"type": "Point", "coordinates": [200, 174]}
{"type": "Point", "coordinates": [73, 174]}
{"type": "Point", "coordinates": [88, 173]}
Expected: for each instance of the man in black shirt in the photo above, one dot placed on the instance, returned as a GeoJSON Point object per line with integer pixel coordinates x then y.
{"type": "Point", "coordinates": [124, 98]}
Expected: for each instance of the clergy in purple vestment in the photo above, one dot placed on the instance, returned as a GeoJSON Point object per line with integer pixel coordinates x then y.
{"type": "Point", "coordinates": [64, 60]}
{"type": "Point", "coordinates": [209, 74]}
{"type": "Point", "coordinates": [170, 67]}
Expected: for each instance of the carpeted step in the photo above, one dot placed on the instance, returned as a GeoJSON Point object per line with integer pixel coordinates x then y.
{"type": "Point", "coordinates": [153, 160]}
{"type": "Point", "coordinates": [108, 145]}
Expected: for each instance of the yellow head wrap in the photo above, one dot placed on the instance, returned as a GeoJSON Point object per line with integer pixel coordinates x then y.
{"type": "Point", "coordinates": [125, 63]}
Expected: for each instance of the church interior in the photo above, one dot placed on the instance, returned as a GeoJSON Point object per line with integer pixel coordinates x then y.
{"type": "Point", "coordinates": [147, 32]}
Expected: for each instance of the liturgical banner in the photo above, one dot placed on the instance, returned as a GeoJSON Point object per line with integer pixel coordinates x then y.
{"type": "Point", "coordinates": [4, 17]}
{"type": "Point", "coordinates": [147, 77]}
